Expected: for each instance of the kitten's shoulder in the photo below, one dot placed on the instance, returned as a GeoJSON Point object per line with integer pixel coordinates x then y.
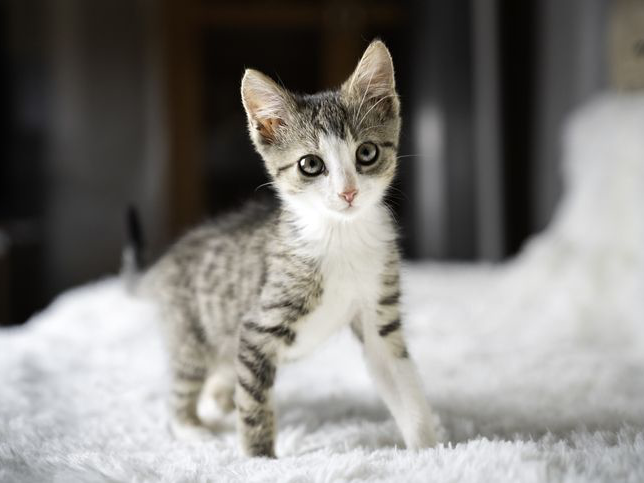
{"type": "Point", "coordinates": [253, 215]}
{"type": "Point", "coordinates": [230, 235]}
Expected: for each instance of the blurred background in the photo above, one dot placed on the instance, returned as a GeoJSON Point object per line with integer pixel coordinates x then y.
{"type": "Point", "coordinates": [111, 102]}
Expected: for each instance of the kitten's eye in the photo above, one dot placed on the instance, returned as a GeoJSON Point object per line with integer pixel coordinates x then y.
{"type": "Point", "coordinates": [367, 153]}
{"type": "Point", "coordinates": [311, 165]}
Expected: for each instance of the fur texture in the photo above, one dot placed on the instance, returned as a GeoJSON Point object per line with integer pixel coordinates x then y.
{"type": "Point", "coordinates": [267, 285]}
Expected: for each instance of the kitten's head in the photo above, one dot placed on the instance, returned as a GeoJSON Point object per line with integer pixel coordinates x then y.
{"type": "Point", "coordinates": [333, 152]}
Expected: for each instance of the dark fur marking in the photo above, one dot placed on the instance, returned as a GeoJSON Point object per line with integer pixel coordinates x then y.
{"type": "Point", "coordinates": [388, 144]}
{"type": "Point", "coordinates": [253, 349]}
{"type": "Point", "coordinates": [324, 111]}
{"type": "Point", "coordinates": [198, 331]}
{"type": "Point", "coordinates": [391, 263]}
{"type": "Point", "coordinates": [387, 329]}
{"type": "Point", "coordinates": [281, 169]}
{"type": "Point", "coordinates": [390, 281]}
{"type": "Point", "coordinates": [263, 277]}
{"type": "Point", "coordinates": [194, 376]}
{"type": "Point", "coordinates": [357, 331]}
{"type": "Point", "coordinates": [263, 370]}
{"type": "Point", "coordinates": [278, 331]}
{"type": "Point", "coordinates": [183, 394]}
{"type": "Point", "coordinates": [392, 299]}
{"type": "Point", "coordinates": [262, 367]}
{"type": "Point", "coordinates": [293, 310]}
{"type": "Point", "coordinates": [250, 347]}
{"type": "Point", "coordinates": [263, 448]}
{"type": "Point", "coordinates": [253, 392]}
{"type": "Point", "coordinates": [252, 421]}
{"type": "Point", "coordinates": [282, 304]}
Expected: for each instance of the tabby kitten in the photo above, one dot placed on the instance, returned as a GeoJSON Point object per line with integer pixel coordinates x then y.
{"type": "Point", "coordinates": [266, 285]}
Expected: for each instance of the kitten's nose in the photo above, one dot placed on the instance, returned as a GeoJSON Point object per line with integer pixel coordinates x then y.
{"type": "Point", "coordinates": [349, 195]}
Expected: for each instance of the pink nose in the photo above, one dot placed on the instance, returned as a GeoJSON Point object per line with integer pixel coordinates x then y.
{"type": "Point", "coordinates": [349, 195]}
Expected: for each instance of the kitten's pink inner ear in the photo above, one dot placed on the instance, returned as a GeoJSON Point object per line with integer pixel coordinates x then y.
{"type": "Point", "coordinates": [265, 103]}
{"type": "Point", "coordinates": [267, 128]}
{"type": "Point", "coordinates": [265, 125]}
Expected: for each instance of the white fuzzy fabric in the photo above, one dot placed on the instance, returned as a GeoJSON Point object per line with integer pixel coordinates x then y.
{"type": "Point", "coordinates": [535, 367]}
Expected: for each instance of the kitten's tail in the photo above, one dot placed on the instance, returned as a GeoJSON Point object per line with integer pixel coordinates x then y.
{"type": "Point", "coordinates": [133, 252]}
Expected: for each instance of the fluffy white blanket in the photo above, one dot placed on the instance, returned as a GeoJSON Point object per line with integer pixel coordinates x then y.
{"type": "Point", "coordinates": [535, 368]}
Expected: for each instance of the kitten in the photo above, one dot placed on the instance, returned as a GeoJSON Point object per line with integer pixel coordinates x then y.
{"type": "Point", "coordinates": [266, 285]}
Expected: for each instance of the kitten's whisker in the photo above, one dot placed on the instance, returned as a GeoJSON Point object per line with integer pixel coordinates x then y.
{"type": "Point", "coordinates": [362, 130]}
{"type": "Point", "coordinates": [391, 211]}
{"type": "Point", "coordinates": [279, 81]}
{"type": "Point", "coordinates": [270, 183]}
{"type": "Point", "coordinates": [409, 156]}
{"type": "Point", "coordinates": [396, 190]}
{"type": "Point", "coordinates": [367, 113]}
{"type": "Point", "coordinates": [393, 201]}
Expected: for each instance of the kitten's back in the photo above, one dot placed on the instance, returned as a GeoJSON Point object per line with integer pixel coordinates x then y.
{"type": "Point", "coordinates": [221, 261]}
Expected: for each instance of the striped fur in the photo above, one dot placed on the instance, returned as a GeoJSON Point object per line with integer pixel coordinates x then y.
{"type": "Point", "coordinates": [267, 284]}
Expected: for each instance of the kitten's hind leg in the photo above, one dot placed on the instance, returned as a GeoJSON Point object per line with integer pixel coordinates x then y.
{"type": "Point", "coordinates": [216, 402]}
{"type": "Point", "coordinates": [189, 369]}
{"type": "Point", "coordinates": [184, 421]}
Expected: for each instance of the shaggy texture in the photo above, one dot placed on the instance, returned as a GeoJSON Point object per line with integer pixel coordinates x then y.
{"type": "Point", "coordinates": [535, 368]}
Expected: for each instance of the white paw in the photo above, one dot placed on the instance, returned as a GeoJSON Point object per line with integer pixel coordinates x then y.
{"type": "Point", "coordinates": [422, 437]}
{"type": "Point", "coordinates": [210, 412]}
{"type": "Point", "coordinates": [215, 407]}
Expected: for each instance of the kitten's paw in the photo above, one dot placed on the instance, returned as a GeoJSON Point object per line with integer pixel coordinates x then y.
{"type": "Point", "coordinates": [422, 441]}
{"type": "Point", "coordinates": [215, 406]}
{"type": "Point", "coordinates": [213, 416]}
{"type": "Point", "coordinates": [423, 437]}
{"type": "Point", "coordinates": [189, 431]}
{"type": "Point", "coordinates": [215, 413]}
{"type": "Point", "coordinates": [259, 451]}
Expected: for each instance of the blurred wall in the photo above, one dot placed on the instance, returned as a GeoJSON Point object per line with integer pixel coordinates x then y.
{"type": "Point", "coordinates": [571, 66]}
{"type": "Point", "coordinates": [494, 81]}
{"type": "Point", "coordinates": [443, 189]}
{"type": "Point", "coordinates": [24, 118]}
{"type": "Point", "coordinates": [106, 146]}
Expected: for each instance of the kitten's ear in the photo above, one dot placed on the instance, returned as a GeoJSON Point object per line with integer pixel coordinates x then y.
{"type": "Point", "coordinates": [266, 104]}
{"type": "Point", "coordinates": [374, 75]}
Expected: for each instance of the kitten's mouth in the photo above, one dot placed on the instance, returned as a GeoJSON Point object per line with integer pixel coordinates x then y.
{"type": "Point", "coordinates": [348, 210]}
{"type": "Point", "coordinates": [345, 210]}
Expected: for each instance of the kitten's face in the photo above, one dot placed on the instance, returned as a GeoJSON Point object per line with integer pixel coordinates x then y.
{"type": "Point", "coordinates": [332, 153]}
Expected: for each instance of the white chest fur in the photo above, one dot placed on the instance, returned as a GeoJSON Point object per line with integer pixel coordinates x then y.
{"type": "Point", "coordinates": [352, 256]}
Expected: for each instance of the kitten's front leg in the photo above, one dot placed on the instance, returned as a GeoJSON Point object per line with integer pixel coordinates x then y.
{"type": "Point", "coordinates": [255, 377]}
{"type": "Point", "coordinates": [396, 378]}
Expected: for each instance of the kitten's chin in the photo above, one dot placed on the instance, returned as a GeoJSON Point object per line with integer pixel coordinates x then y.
{"type": "Point", "coordinates": [348, 212]}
